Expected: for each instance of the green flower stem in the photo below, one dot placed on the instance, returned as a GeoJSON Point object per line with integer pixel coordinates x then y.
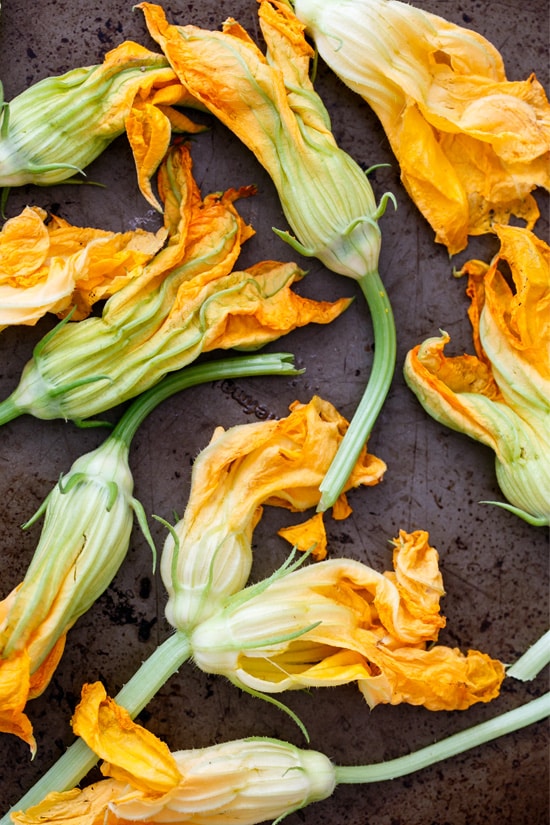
{"type": "Point", "coordinates": [78, 759]}
{"type": "Point", "coordinates": [375, 393]}
{"type": "Point", "coordinates": [246, 366]}
{"type": "Point", "coordinates": [533, 660]}
{"type": "Point", "coordinates": [513, 720]}
{"type": "Point", "coordinates": [8, 411]}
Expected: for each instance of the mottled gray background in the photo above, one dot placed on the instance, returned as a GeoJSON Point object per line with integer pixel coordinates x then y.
{"type": "Point", "coordinates": [495, 567]}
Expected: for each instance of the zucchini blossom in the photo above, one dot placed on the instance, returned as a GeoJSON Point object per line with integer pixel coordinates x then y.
{"type": "Point", "coordinates": [58, 126]}
{"type": "Point", "coordinates": [86, 533]}
{"type": "Point", "coordinates": [471, 144]}
{"type": "Point", "coordinates": [339, 621]}
{"type": "Point", "coordinates": [208, 555]}
{"type": "Point", "coordinates": [187, 301]}
{"type": "Point", "coordinates": [500, 396]}
{"type": "Point", "coordinates": [240, 782]}
{"type": "Point", "coordinates": [88, 518]}
{"type": "Point", "coordinates": [270, 104]}
{"type": "Point", "coordinates": [53, 266]}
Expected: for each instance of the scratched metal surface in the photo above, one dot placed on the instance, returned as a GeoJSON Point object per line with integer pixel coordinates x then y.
{"type": "Point", "coordinates": [495, 567]}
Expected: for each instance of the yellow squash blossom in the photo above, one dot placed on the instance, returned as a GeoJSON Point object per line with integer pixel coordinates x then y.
{"type": "Point", "coordinates": [208, 555]}
{"type": "Point", "coordinates": [500, 396]}
{"type": "Point", "coordinates": [243, 782]}
{"type": "Point", "coordinates": [58, 126]}
{"type": "Point", "coordinates": [86, 532]}
{"type": "Point", "coordinates": [471, 144]}
{"type": "Point", "coordinates": [189, 299]}
{"type": "Point", "coordinates": [51, 266]}
{"type": "Point", "coordinates": [269, 102]}
{"type": "Point", "coordinates": [239, 782]}
{"type": "Point", "coordinates": [339, 621]}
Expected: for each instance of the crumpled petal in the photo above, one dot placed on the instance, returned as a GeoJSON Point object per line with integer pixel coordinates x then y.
{"type": "Point", "coordinates": [133, 754]}
{"type": "Point", "coordinates": [53, 266]}
{"type": "Point", "coordinates": [278, 463]}
{"type": "Point", "coordinates": [500, 396]}
{"type": "Point", "coordinates": [338, 621]}
{"type": "Point", "coordinates": [310, 535]}
{"type": "Point", "coordinates": [471, 144]}
{"type": "Point", "coordinates": [18, 685]}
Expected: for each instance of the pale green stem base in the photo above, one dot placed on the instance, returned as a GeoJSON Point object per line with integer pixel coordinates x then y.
{"type": "Point", "coordinates": [458, 743]}
{"type": "Point", "coordinates": [533, 661]}
{"type": "Point", "coordinates": [79, 759]}
{"type": "Point", "coordinates": [378, 385]}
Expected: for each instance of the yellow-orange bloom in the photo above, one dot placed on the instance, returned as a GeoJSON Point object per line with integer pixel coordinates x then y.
{"type": "Point", "coordinates": [340, 621]}
{"type": "Point", "coordinates": [471, 144]}
{"type": "Point", "coordinates": [54, 267]}
{"type": "Point", "coordinates": [208, 555]}
{"type": "Point", "coordinates": [56, 127]}
{"type": "Point", "coordinates": [189, 299]}
{"type": "Point", "coordinates": [500, 396]}
{"type": "Point", "coordinates": [242, 782]}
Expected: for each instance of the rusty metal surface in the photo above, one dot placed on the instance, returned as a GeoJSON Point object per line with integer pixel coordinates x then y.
{"type": "Point", "coordinates": [495, 567]}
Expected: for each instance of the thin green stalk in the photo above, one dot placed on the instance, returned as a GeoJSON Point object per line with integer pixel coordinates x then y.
{"type": "Point", "coordinates": [78, 759]}
{"type": "Point", "coordinates": [533, 660]}
{"type": "Point", "coordinates": [508, 722]}
{"type": "Point", "coordinates": [375, 393]}
{"type": "Point", "coordinates": [245, 366]}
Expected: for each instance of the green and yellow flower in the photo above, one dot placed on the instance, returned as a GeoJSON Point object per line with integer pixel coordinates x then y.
{"type": "Point", "coordinates": [208, 555]}
{"type": "Point", "coordinates": [188, 300]}
{"type": "Point", "coordinates": [500, 396]}
{"type": "Point", "coordinates": [58, 126]}
{"type": "Point", "coordinates": [269, 102]}
{"type": "Point", "coordinates": [339, 621]}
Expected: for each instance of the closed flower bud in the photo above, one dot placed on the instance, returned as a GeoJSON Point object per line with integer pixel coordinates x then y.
{"type": "Point", "coordinates": [88, 519]}
{"type": "Point", "coordinates": [243, 782]}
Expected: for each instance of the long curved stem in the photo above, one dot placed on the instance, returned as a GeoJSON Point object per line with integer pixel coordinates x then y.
{"type": "Point", "coordinates": [78, 759]}
{"type": "Point", "coordinates": [378, 385]}
{"type": "Point", "coordinates": [508, 722]}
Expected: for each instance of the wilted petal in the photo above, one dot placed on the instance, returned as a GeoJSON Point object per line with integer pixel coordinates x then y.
{"type": "Point", "coordinates": [471, 144]}
{"type": "Point", "coordinates": [279, 463]}
{"type": "Point", "coordinates": [500, 397]}
{"type": "Point", "coordinates": [339, 621]}
{"type": "Point", "coordinates": [51, 267]}
{"type": "Point", "coordinates": [134, 755]}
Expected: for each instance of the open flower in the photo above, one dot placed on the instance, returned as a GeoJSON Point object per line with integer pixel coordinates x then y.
{"type": "Point", "coordinates": [500, 396]}
{"type": "Point", "coordinates": [208, 555]}
{"type": "Point", "coordinates": [270, 104]}
{"type": "Point", "coordinates": [242, 782]}
{"type": "Point", "coordinates": [51, 266]}
{"type": "Point", "coordinates": [339, 621]}
{"type": "Point", "coordinates": [59, 125]}
{"type": "Point", "coordinates": [188, 300]}
{"type": "Point", "coordinates": [471, 144]}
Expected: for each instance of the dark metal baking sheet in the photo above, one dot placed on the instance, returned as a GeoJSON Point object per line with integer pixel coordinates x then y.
{"type": "Point", "coordinates": [495, 567]}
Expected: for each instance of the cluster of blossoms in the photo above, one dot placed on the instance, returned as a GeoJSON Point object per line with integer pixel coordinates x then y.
{"type": "Point", "coordinates": [173, 295]}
